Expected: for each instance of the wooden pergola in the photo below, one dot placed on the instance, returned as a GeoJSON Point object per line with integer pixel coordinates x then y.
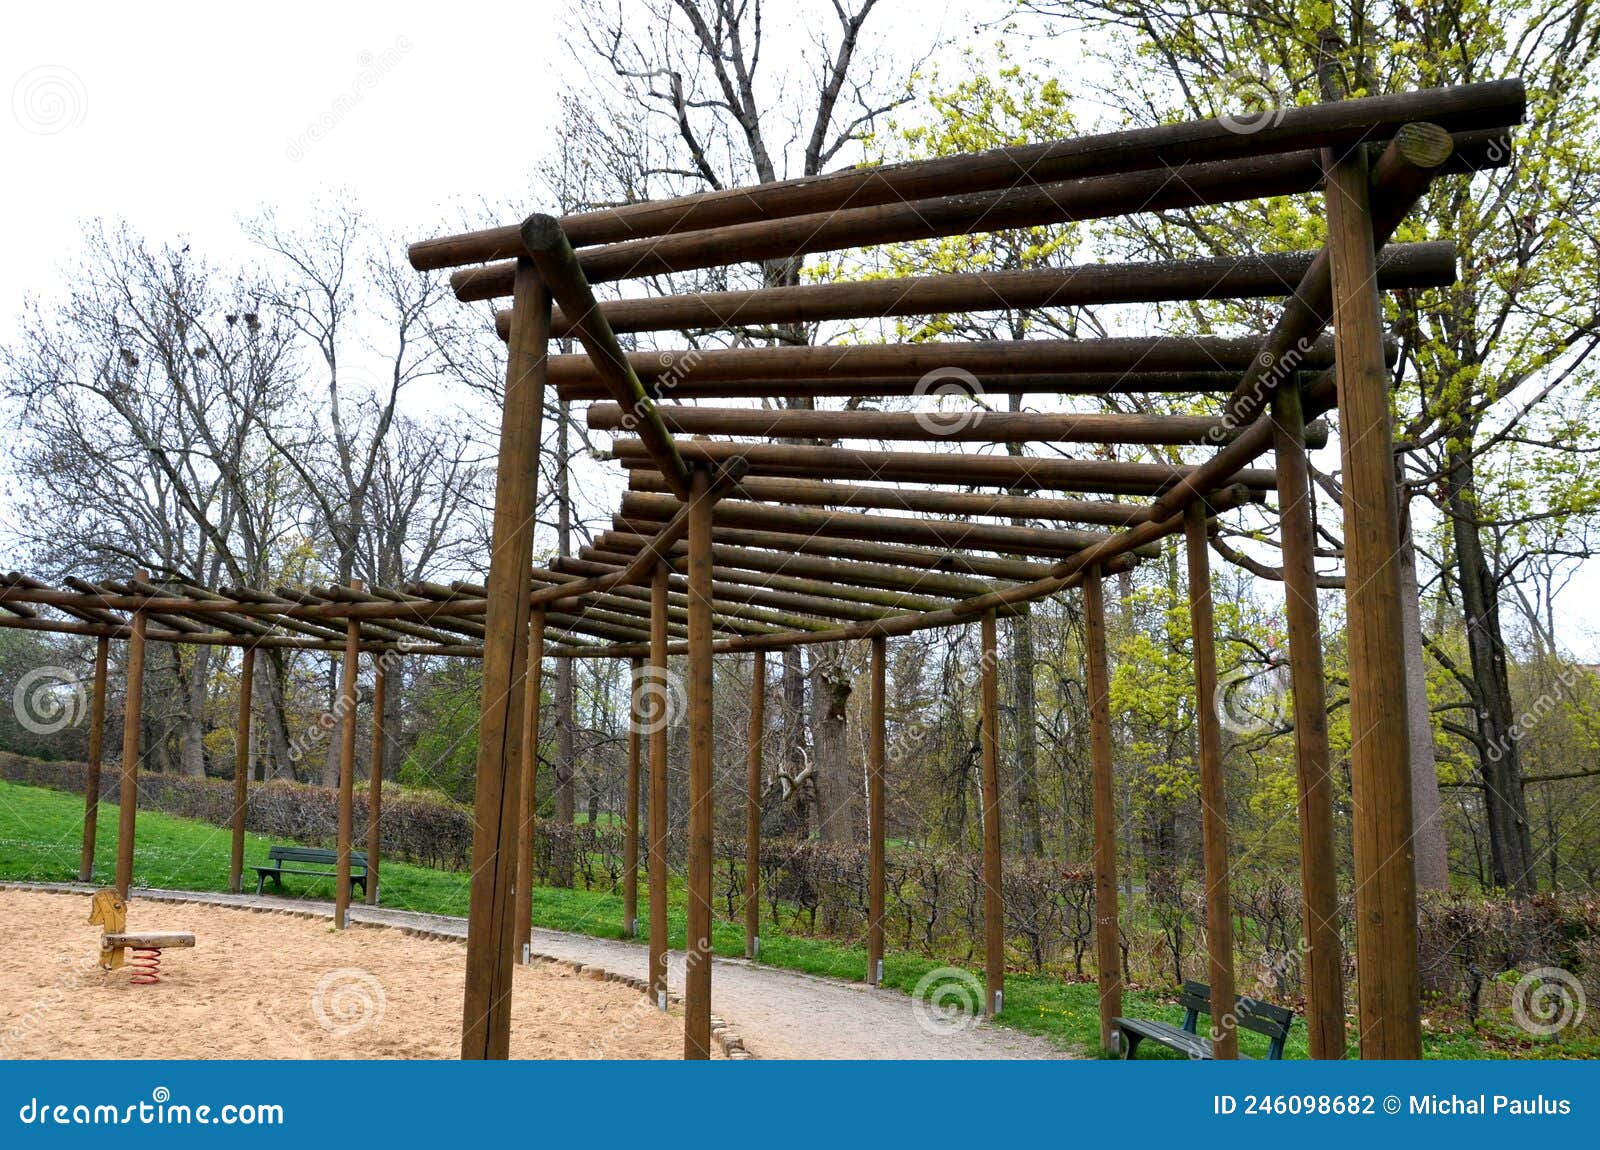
{"type": "Point", "coordinates": [737, 535]}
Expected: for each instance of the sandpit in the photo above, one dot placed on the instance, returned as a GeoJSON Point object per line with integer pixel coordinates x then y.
{"type": "Point", "coordinates": [272, 985]}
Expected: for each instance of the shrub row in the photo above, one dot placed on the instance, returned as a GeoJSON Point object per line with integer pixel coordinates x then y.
{"type": "Point", "coordinates": [934, 898]}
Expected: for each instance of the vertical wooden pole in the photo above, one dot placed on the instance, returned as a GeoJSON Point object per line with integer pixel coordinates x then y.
{"type": "Point", "coordinates": [97, 737]}
{"type": "Point", "coordinates": [875, 813]}
{"type": "Point", "coordinates": [658, 720]}
{"type": "Point", "coordinates": [1108, 950]}
{"type": "Point", "coordinates": [497, 801]}
{"type": "Point", "coordinates": [380, 699]}
{"type": "Point", "coordinates": [1318, 867]}
{"type": "Point", "coordinates": [630, 843]}
{"type": "Point", "coordinates": [1213, 795]}
{"type": "Point", "coordinates": [994, 908]}
{"type": "Point", "coordinates": [752, 807]}
{"type": "Point", "coordinates": [241, 767]}
{"type": "Point", "coordinates": [528, 799]}
{"type": "Point", "coordinates": [1388, 989]}
{"type": "Point", "coordinates": [347, 765]}
{"type": "Point", "coordinates": [132, 719]}
{"type": "Point", "coordinates": [697, 945]}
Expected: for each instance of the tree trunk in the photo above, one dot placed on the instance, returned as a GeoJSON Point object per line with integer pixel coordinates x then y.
{"type": "Point", "coordinates": [278, 764]}
{"type": "Point", "coordinates": [830, 697]}
{"type": "Point", "coordinates": [1432, 857]}
{"type": "Point", "coordinates": [1025, 749]}
{"type": "Point", "coordinates": [191, 691]}
{"type": "Point", "coordinates": [1510, 842]}
{"type": "Point", "coordinates": [335, 732]}
{"type": "Point", "coordinates": [797, 812]}
{"type": "Point", "coordinates": [565, 765]}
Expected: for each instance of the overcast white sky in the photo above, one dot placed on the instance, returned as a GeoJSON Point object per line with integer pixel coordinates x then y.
{"type": "Point", "coordinates": [183, 118]}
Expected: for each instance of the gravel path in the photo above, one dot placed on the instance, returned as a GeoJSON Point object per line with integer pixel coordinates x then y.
{"type": "Point", "coordinates": [779, 1013]}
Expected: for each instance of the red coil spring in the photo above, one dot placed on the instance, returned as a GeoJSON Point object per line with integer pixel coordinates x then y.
{"type": "Point", "coordinates": [146, 967]}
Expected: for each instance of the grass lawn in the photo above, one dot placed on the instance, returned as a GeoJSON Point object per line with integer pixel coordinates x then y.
{"type": "Point", "coordinates": [41, 834]}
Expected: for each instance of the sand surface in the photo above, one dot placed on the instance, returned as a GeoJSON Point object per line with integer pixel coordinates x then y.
{"type": "Point", "coordinates": [272, 985]}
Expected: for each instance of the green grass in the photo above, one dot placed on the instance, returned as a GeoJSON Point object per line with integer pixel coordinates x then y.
{"type": "Point", "coordinates": [41, 832]}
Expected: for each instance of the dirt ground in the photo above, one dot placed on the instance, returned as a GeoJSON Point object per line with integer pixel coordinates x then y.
{"type": "Point", "coordinates": [268, 985]}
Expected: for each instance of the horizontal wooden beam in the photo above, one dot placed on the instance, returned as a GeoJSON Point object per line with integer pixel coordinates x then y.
{"type": "Point", "coordinates": [1332, 124]}
{"type": "Point", "coordinates": [838, 560]}
{"type": "Point", "coordinates": [761, 571]}
{"type": "Point", "coordinates": [963, 504]}
{"type": "Point", "coordinates": [684, 385]}
{"type": "Point", "coordinates": [1420, 265]}
{"type": "Point", "coordinates": [1009, 471]}
{"type": "Point", "coordinates": [1020, 205]}
{"type": "Point", "coordinates": [936, 363]}
{"type": "Point", "coordinates": [970, 423]}
{"type": "Point", "coordinates": [745, 590]}
{"type": "Point", "coordinates": [892, 529]}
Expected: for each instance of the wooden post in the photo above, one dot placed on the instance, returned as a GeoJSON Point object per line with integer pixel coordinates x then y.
{"type": "Point", "coordinates": [241, 767]}
{"type": "Point", "coordinates": [347, 766]}
{"type": "Point", "coordinates": [994, 925]}
{"type": "Point", "coordinates": [497, 800]}
{"type": "Point", "coordinates": [132, 717]}
{"type": "Point", "coordinates": [630, 845]}
{"type": "Point", "coordinates": [658, 720]}
{"type": "Point", "coordinates": [697, 944]}
{"type": "Point", "coordinates": [1388, 989]}
{"type": "Point", "coordinates": [380, 699]}
{"type": "Point", "coordinates": [875, 813]}
{"type": "Point", "coordinates": [528, 799]}
{"type": "Point", "coordinates": [1213, 796]}
{"type": "Point", "coordinates": [1318, 865]}
{"type": "Point", "coordinates": [1108, 951]}
{"type": "Point", "coordinates": [752, 807]}
{"type": "Point", "coordinates": [97, 734]}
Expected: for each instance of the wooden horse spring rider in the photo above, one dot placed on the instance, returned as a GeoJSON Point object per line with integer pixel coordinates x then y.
{"type": "Point", "coordinates": [111, 913]}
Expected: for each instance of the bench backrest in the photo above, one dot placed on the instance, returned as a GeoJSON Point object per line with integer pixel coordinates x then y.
{"type": "Point", "coordinates": [320, 855]}
{"type": "Point", "coordinates": [1250, 1013]}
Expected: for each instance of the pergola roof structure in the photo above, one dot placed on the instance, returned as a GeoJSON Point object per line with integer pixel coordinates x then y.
{"type": "Point", "coordinates": [753, 533]}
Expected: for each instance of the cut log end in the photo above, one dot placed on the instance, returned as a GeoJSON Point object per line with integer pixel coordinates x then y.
{"type": "Point", "coordinates": [542, 233]}
{"type": "Point", "coordinates": [1425, 145]}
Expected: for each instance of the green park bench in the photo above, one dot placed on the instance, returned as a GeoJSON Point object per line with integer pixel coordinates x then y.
{"type": "Point", "coordinates": [1252, 1014]}
{"type": "Point", "coordinates": [318, 861]}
